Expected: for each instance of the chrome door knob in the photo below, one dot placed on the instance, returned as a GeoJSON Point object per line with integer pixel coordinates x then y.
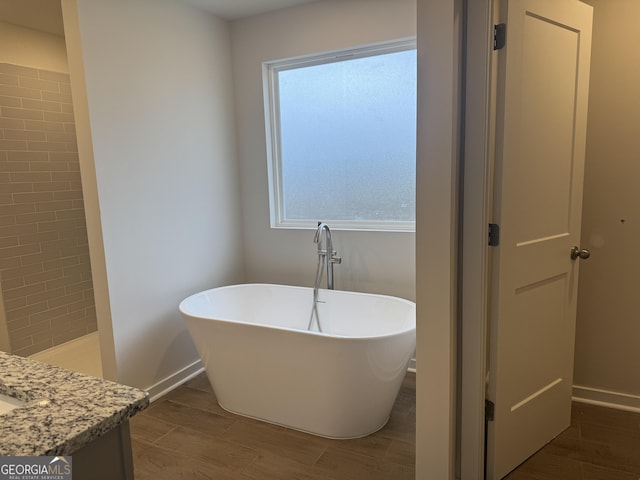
{"type": "Point", "coordinates": [577, 252]}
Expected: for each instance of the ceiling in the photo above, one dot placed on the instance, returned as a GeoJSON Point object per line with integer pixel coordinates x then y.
{"type": "Point", "coordinates": [43, 15]}
{"type": "Point", "coordinates": [46, 15]}
{"type": "Point", "coordinates": [234, 9]}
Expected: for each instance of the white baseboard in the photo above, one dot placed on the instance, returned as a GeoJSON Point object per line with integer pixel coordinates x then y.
{"type": "Point", "coordinates": [606, 398]}
{"type": "Point", "coordinates": [175, 380]}
{"type": "Point", "coordinates": [412, 365]}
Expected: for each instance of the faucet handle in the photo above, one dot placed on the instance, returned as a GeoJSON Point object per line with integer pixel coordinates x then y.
{"type": "Point", "coordinates": [334, 258]}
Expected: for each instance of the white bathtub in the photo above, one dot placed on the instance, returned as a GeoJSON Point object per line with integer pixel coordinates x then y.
{"type": "Point", "coordinates": [263, 363]}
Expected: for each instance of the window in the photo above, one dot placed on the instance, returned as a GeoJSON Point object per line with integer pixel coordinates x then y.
{"type": "Point", "coordinates": [341, 135]}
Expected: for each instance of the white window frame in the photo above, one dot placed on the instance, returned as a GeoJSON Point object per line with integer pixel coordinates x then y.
{"type": "Point", "coordinates": [270, 70]}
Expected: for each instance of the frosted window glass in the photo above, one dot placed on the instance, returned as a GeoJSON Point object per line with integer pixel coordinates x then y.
{"type": "Point", "coordinates": [347, 138]}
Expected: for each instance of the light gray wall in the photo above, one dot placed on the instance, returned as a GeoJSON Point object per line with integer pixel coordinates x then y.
{"type": "Point", "coordinates": [608, 330]}
{"type": "Point", "coordinates": [378, 262]}
{"type": "Point", "coordinates": [157, 146]}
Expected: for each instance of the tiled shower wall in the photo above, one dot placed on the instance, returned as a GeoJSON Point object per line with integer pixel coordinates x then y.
{"type": "Point", "coordinates": [45, 274]}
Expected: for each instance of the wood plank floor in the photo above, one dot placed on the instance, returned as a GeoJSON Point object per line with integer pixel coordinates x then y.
{"type": "Point", "coordinates": [186, 435]}
{"type": "Point", "coordinates": [601, 444]}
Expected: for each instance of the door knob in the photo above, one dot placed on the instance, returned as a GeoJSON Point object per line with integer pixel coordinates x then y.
{"type": "Point", "coordinates": [577, 252]}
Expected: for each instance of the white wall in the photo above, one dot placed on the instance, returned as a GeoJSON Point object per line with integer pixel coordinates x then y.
{"type": "Point", "coordinates": [158, 163]}
{"type": "Point", "coordinates": [372, 262]}
{"type": "Point", "coordinates": [608, 330]}
{"type": "Point", "coordinates": [30, 48]}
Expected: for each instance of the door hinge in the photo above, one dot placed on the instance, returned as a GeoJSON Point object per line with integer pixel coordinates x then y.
{"type": "Point", "coordinates": [494, 234]}
{"type": "Point", "coordinates": [489, 410]}
{"type": "Point", "coordinates": [499, 36]}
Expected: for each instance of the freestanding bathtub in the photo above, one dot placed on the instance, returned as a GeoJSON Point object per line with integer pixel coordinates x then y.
{"type": "Point", "coordinates": [263, 363]}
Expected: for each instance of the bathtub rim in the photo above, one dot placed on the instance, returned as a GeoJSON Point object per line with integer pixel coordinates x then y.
{"type": "Point", "coordinates": [400, 332]}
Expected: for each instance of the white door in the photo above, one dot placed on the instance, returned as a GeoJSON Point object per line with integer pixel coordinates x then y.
{"type": "Point", "coordinates": [540, 144]}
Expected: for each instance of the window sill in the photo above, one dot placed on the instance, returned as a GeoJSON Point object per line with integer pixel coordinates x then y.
{"type": "Point", "coordinates": [391, 227]}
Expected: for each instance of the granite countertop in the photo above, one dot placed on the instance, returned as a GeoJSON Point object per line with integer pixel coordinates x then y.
{"type": "Point", "coordinates": [64, 410]}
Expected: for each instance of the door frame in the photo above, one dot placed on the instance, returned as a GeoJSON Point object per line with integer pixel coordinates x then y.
{"type": "Point", "coordinates": [454, 40]}
{"type": "Point", "coordinates": [475, 252]}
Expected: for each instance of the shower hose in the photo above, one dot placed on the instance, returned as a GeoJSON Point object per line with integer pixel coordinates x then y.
{"type": "Point", "coordinates": [314, 307]}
